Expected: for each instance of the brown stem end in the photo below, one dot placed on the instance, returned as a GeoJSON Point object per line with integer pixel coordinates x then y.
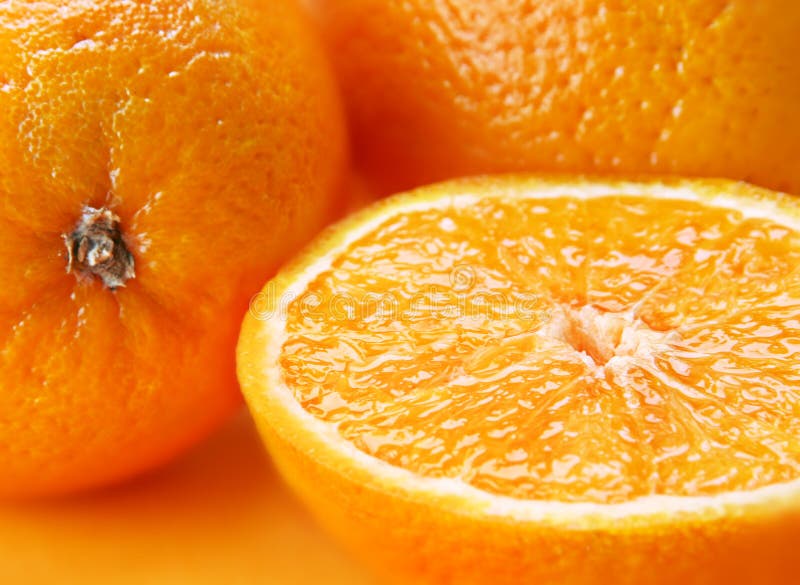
{"type": "Point", "coordinates": [96, 248]}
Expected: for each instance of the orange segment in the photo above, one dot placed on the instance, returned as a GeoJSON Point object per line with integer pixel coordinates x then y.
{"type": "Point", "coordinates": [483, 358]}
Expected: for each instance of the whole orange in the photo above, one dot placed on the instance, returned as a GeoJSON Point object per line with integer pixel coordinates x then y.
{"type": "Point", "coordinates": [158, 161]}
{"type": "Point", "coordinates": [697, 87]}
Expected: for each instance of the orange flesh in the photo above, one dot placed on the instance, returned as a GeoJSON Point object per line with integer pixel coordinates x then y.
{"type": "Point", "coordinates": [592, 350]}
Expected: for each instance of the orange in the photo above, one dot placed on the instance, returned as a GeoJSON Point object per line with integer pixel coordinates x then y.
{"type": "Point", "coordinates": [566, 381]}
{"type": "Point", "coordinates": [158, 161]}
{"type": "Point", "coordinates": [445, 89]}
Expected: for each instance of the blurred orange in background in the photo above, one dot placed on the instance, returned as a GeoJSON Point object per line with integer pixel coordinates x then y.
{"type": "Point", "coordinates": [436, 90]}
{"type": "Point", "coordinates": [219, 515]}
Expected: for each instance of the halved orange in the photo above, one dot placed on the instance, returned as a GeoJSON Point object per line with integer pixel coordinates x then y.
{"type": "Point", "coordinates": [545, 380]}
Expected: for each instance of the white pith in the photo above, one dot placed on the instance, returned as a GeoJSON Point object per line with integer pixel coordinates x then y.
{"type": "Point", "coordinates": [631, 339]}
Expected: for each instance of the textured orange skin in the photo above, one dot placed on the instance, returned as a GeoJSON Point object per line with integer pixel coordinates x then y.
{"type": "Point", "coordinates": [458, 87]}
{"type": "Point", "coordinates": [214, 131]}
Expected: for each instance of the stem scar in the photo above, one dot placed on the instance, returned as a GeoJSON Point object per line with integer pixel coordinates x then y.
{"type": "Point", "coordinates": [95, 248]}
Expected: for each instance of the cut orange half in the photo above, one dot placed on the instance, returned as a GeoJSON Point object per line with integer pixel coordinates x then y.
{"type": "Point", "coordinates": [544, 380]}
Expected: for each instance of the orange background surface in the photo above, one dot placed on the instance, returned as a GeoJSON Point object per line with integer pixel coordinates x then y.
{"type": "Point", "coordinates": [219, 515]}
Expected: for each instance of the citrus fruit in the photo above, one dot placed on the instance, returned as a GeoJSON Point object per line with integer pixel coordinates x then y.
{"type": "Point", "coordinates": [532, 380]}
{"type": "Point", "coordinates": [445, 89]}
{"type": "Point", "coordinates": [158, 160]}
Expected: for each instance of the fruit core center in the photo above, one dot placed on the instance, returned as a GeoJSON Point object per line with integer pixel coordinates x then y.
{"type": "Point", "coordinates": [601, 336]}
{"type": "Point", "coordinates": [96, 248]}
